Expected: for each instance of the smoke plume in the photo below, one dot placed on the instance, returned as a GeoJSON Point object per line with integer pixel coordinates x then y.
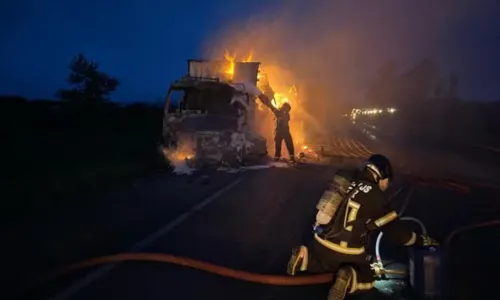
{"type": "Point", "coordinates": [331, 50]}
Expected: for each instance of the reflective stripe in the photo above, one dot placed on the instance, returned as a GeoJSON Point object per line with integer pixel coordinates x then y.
{"type": "Point", "coordinates": [353, 208]}
{"type": "Point", "coordinates": [339, 248]}
{"type": "Point", "coordinates": [305, 258]}
{"type": "Point", "coordinates": [412, 240]}
{"type": "Point", "coordinates": [359, 286]}
{"type": "Point", "coordinates": [386, 219]}
{"type": "Point", "coordinates": [363, 286]}
{"type": "Point", "coordinates": [354, 282]}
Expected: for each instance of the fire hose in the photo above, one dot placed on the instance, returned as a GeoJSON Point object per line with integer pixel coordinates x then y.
{"type": "Point", "coordinates": [228, 272]}
{"type": "Point", "coordinates": [266, 279]}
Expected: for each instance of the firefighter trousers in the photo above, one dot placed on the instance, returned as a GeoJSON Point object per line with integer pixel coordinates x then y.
{"type": "Point", "coordinates": [323, 260]}
{"type": "Point", "coordinates": [279, 136]}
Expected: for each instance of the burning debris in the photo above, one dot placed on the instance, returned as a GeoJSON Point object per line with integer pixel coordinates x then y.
{"type": "Point", "coordinates": [309, 153]}
{"type": "Point", "coordinates": [180, 158]}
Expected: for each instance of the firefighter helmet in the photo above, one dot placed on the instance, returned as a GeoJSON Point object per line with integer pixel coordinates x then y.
{"type": "Point", "coordinates": [286, 106]}
{"type": "Point", "coordinates": [383, 167]}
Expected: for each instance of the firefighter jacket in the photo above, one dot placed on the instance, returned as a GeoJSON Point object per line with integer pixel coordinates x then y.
{"type": "Point", "coordinates": [361, 216]}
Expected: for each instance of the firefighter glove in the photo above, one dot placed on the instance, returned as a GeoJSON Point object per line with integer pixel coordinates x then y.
{"type": "Point", "coordinates": [427, 241]}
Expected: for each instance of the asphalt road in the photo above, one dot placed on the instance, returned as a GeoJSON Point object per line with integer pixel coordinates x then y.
{"type": "Point", "coordinates": [246, 221]}
{"type": "Point", "coordinates": [430, 156]}
{"type": "Point", "coordinates": [106, 223]}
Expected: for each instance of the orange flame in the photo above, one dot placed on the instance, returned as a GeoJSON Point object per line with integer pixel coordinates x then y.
{"type": "Point", "coordinates": [283, 94]}
{"type": "Point", "coordinates": [279, 99]}
{"type": "Point", "coordinates": [231, 60]}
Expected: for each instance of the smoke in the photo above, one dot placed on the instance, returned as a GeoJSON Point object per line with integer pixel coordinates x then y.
{"type": "Point", "coordinates": [332, 49]}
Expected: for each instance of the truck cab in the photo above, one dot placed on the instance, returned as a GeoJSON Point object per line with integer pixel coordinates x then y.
{"type": "Point", "coordinates": [209, 119]}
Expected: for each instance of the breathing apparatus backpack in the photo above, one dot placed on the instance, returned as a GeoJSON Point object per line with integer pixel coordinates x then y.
{"type": "Point", "coordinates": [331, 200]}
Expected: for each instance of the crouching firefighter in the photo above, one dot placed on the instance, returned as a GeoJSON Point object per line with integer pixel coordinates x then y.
{"type": "Point", "coordinates": [351, 212]}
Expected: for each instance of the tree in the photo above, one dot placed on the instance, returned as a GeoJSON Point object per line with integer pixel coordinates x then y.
{"type": "Point", "coordinates": [90, 86]}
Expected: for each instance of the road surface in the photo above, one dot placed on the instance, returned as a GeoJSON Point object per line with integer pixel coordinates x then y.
{"type": "Point", "coordinates": [248, 221]}
{"type": "Point", "coordinates": [430, 156]}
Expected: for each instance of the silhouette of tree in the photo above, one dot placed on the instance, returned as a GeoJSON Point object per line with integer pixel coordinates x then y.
{"type": "Point", "coordinates": [90, 86]}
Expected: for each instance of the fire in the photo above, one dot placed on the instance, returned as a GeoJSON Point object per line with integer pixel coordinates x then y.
{"type": "Point", "coordinates": [284, 92]}
{"type": "Point", "coordinates": [293, 90]}
{"type": "Point", "coordinates": [180, 156]}
{"type": "Point", "coordinates": [230, 62]}
{"type": "Point", "coordinates": [231, 59]}
{"type": "Point", "coordinates": [248, 57]}
{"type": "Point", "coordinates": [279, 99]}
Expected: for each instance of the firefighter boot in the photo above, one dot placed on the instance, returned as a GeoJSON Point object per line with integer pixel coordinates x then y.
{"type": "Point", "coordinates": [342, 285]}
{"type": "Point", "coordinates": [299, 259]}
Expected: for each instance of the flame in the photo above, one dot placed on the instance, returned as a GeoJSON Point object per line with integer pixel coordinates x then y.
{"type": "Point", "coordinates": [284, 92]}
{"type": "Point", "coordinates": [249, 57]}
{"type": "Point", "coordinates": [261, 106]}
{"type": "Point", "coordinates": [231, 60]}
{"type": "Point", "coordinates": [279, 99]}
{"type": "Point", "coordinates": [293, 90]}
{"type": "Point", "coordinates": [179, 157]}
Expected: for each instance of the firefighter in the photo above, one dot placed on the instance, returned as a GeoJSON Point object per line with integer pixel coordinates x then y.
{"type": "Point", "coordinates": [282, 115]}
{"type": "Point", "coordinates": [282, 129]}
{"type": "Point", "coordinates": [350, 214]}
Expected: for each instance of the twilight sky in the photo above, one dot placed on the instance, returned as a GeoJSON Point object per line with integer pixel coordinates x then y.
{"type": "Point", "coordinates": [146, 43]}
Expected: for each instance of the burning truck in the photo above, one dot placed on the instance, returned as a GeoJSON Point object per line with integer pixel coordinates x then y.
{"type": "Point", "coordinates": [209, 116]}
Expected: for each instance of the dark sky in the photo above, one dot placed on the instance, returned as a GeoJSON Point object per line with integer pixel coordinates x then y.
{"type": "Point", "coordinates": [146, 43]}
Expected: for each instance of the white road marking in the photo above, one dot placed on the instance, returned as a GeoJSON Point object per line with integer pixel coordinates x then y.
{"type": "Point", "coordinates": [73, 289]}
